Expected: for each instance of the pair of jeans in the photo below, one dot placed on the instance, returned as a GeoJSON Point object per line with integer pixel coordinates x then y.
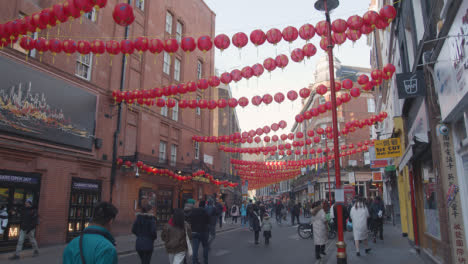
{"type": "Point", "coordinates": [378, 227]}
{"type": "Point", "coordinates": [257, 234]}
{"type": "Point", "coordinates": [212, 234]}
{"type": "Point", "coordinates": [22, 236]}
{"type": "Point", "coordinates": [196, 239]}
{"type": "Point", "coordinates": [234, 219]}
{"type": "Point", "coordinates": [243, 220]}
{"type": "Point", "coordinates": [319, 249]}
{"type": "Point", "coordinates": [145, 256]}
{"type": "Point", "coordinates": [293, 217]}
{"type": "Point", "coordinates": [221, 221]}
{"type": "Point", "coordinates": [177, 258]}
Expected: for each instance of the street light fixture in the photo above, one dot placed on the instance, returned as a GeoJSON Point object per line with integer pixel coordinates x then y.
{"type": "Point", "coordinates": [327, 6]}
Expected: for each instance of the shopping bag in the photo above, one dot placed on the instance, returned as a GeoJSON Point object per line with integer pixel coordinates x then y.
{"type": "Point", "coordinates": [189, 244]}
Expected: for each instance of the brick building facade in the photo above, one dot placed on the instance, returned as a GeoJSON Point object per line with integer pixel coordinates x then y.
{"type": "Point", "coordinates": [66, 171]}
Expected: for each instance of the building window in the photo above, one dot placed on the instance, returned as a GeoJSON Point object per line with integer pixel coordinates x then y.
{"type": "Point", "coordinates": [91, 15]}
{"type": "Point", "coordinates": [199, 69]}
{"type": "Point", "coordinates": [169, 23]}
{"type": "Point", "coordinates": [162, 151]}
{"type": "Point", "coordinates": [177, 70]}
{"type": "Point", "coordinates": [179, 32]}
{"type": "Point", "coordinates": [164, 109]}
{"type": "Point", "coordinates": [175, 111]}
{"type": "Point", "coordinates": [173, 155]}
{"type": "Point", "coordinates": [370, 105]}
{"type": "Point", "coordinates": [366, 158]}
{"type": "Point", "coordinates": [197, 150]}
{"type": "Point", "coordinates": [84, 66]}
{"type": "Point", "coordinates": [140, 4]}
{"type": "Point", "coordinates": [167, 63]}
{"type": "Point", "coordinates": [322, 100]}
{"type": "Point", "coordinates": [198, 110]}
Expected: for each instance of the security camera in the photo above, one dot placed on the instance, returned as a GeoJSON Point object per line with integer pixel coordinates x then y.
{"type": "Point", "coordinates": [443, 129]}
{"type": "Point", "coordinates": [137, 174]}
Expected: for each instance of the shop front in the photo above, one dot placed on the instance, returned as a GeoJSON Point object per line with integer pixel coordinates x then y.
{"type": "Point", "coordinates": [15, 189]}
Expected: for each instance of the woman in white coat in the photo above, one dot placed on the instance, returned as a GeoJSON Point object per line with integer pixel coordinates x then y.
{"type": "Point", "coordinates": [320, 229]}
{"type": "Point", "coordinates": [359, 215]}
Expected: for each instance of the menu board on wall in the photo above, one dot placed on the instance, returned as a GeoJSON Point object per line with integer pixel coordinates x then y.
{"type": "Point", "coordinates": [36, 105]}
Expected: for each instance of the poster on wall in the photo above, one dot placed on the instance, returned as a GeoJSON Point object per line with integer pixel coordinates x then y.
{"type": "Point", "coordinates": [36, 105]}
{"type": "Point", "coordinates": [451, 69]}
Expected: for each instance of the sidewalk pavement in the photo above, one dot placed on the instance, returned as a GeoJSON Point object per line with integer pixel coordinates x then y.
{"type": "Point", "coordinates": [393, 249]}
{"type": "Point", "coordinates": [124, 245]}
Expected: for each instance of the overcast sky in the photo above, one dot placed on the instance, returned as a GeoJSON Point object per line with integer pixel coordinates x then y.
{"type": "Point", "coordinates": [248, 15]}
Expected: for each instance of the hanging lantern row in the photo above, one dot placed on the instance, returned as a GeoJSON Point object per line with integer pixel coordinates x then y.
{"type": "Point", "coordinates": [288, 147]}
{"type": "Point", "coordinates": [47, 18]}
{"type": "Point", "coordinates": [165, 172]}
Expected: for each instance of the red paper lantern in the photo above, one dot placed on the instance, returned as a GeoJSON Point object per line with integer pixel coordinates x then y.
{"type": "Point", "coordinates": [84, 6]}
{"type": "Point", "coordinates": [37, 20]}
{"type": "Point", "coordinates": [243, 102]}
{"type": "Point", "coordinates": [299, 118]}
{"type": "Point", "coordinates": [71, 10]}
{"type": "Point", "coordinates": [355, 22]}
{"type": "Point", "coordinates": [212, 104]}
{"type": "Point", "coordinates": [297, 55]}
{"type": "Point", "coordinates": [382, 23]}
{"type": "Point", "coordinates": [55, 46]}
{"type": "Point", "coordinates": [309, 50]}
{"type": "Point", "coordinates": [282, 124]}
{"type": "Point", "coordinates": [389, 69]}
{"type": "Point", "coordinates": [292, 95]}
{"type": "Point", "coordinates": [83, 47]}
{"type": "Point", "coordinates": [370, 18]}
{"type": "Point", "coordinates": [366, 29]}
{"type": "Point", "coordinates": [60, 14]}
{"type": "Point", "coordinates": [188, 44]}
{"type": "Point", "coordinates": [232, 102]}
{"type": "Point", "coordinates": [240, 40]}
{"type": "Point", "coordinates": [123, 14]}
{"type": "Point", "coordinates": [267, 99]}
{"type": "Point", "coordinates": [247, 72]}
{"type": "Point", "coordinates": [304, 92]}
{"type": "Point", "coordinates": [257, 37]}
{"type": "Point", "coordinates": [236, 75]}
{"type": "Point", "coordinates": [225, 78]}
{"type": "Point", "coordinates": [321, 89]}
{"type": "Point", "coordinates": [339, 26]}
{"type": "Point", "coordinates": [322, 108]}
{"type": "Point", "coordinates": [307, 32]}
{"type": "Point", "coordinates": [222, 42]}
{"type": "Point", "coordinates": [171, 46]}
{"type": "Point", "coordinates": [376, 75]}
{"type": "Point", "coordinates": [269, 64]}
{"type": "Point", "coordinates": [126, 47]}
{"type": "Point", "coordinates": [363, 79]}
{"type": "Point", "coordinates": [202, 103]}
{"type": "Point", "coordinates": [347, 84]}
{"type": "Point", "coordinates": [322, 28]}
{"type": "Point", "coordinates": [353, 34]}
{"type": "Point", "coordinates": [317, 139]}
{"type": "Point", "coordinates": [99, 3]}
{"type": "Point", "coordinates": [355, 92]}
{"type": "Point", "coordinates": [339, 38]}
{"type": "Point", "coordinates": [156, 46]}
{"type": "Point", "coordinates": [388, 12]}
{"type": "Point", "coordinates": [279, 97]}
{"type": "Point", "coordinates": [274, 36]}
{"type": "Point", "coordinates": [345, 98]}
{"type": "Point", "coordinates": [204, 43]}
{"type": "Point", "coordinates": [274, 138]}
{"type": "Point", "coordinates": [256, 100]}
{"type": "Point", "coordinates": [69, 46]}
{"type": "Point", "coordinates": [258, 69]}
{"type": "Point", "coordinates": [281, 61]}
{"type": "Point", "coordinates": [203, 84]}
{"type": "Point", "coordinates": [21, 27]}
{"type": "Point", "coordinates": [214, 81]}
{"type": "Point", "coordinates": [183, 104]}
{"type": "Point", "coordinates": [27, 43]}
{"type": "Point", "coordinates": [290, 34]}
{"type": "Point", "coordinates": [98, 47]}
{"type": "Point", "coordinates": [191, 103]}
{"type": "Point", "coordinates": [325, 42]}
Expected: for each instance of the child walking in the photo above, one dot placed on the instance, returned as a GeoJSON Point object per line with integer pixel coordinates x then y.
{"type": "Point", "coordinates": [266, 226]}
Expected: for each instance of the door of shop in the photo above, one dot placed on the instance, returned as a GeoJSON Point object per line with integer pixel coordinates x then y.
{"type": "Point", "coordinates": [164, 205]}
{"type": "Point", "coordinates": [84, 196]}
{"type": "Point", "coordinates": [15, 189]}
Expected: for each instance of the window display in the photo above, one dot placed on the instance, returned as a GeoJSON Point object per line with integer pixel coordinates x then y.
{"type": "Point", "coordinates": [164, 206]}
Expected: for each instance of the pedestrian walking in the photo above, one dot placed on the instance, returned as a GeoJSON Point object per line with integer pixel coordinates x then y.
{"type": "Point", "coordinates": [95, 244]}
{"type": "Point", "coordinates": [267, 227]}
{"type": "Point", "coordinates": [250, 207]}
{"type": "Point", "coordinates": [219, 213]}
{"type": "Point", "coordinates": [234, 213]}
{"type": "Point", "coordinates": [144, 228]}
{"type": "Point", "coordinates": [243, 211]}
{"type": "Point", "coordinates": [279, 211]}
{"type": "Point", "coordinates": [29, 221]}
{"type": "Point", "coordinates": [224, 213]}
{"type": "Point", "coordinates": [188, 207]}
{"type": "Point", "coordinates": [200, 222]}
{"type": "Point", "coordinates": [320, 230]}
{"type": "Point", "coordinates": [262, 210]}
{"type": "Point", "coordinates": [211, 212]}
{"type": "Point", "coordinates": [256, 223]}
{"type": "Point", "coordinates": [358, 217]}
{"type": "Point", "coordinates": [295, 213]}
{"type": "Point", "coordinates": [3, 219]}
{"type": "Point", "coordinates": [377, 212]}
{"type": "Point", "coordinates": [176, 236]}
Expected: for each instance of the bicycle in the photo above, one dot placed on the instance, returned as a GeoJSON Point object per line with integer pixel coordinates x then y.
{"type": "Point", "coordinates": [305, 231]}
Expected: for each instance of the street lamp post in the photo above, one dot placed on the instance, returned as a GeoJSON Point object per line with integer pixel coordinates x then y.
{"type": "Point", "coordinates": [327, 5]}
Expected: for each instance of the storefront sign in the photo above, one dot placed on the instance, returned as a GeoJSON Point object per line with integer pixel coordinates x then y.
{"type": "Point", "coordinates": [351, 178]}
{"type": "Point", "coordinates": [451, 68]}
{"type": "Point", "coordinates": [245, 189]}
{"type": "Point", "coordinates": [208, 159]}
{"type": "Point", "coordinates": [363, 177]}
{"type": "Point", "coordinates": [376, 164]}
{"type": "Point", "coordinates": [310, 188]}
{"type": "Point", "coordinates": [36, 105]}
{"type": "Point", "coordinates": [201, 179]}
{"type": "Point", "coordinates": [387, 148]}
{"type": "Point", "coordinates": [411, 84]}
{"type": "Point", "coordinates": [450, 185]}
{"type": "Point", "coordinates": [349, 193]}
{"type": "Point", "coordinates": [85, 186]}
{"type": "Point", "coordinates": [377, 176]}
{"type": "Point", "coordinates": [19, 179]}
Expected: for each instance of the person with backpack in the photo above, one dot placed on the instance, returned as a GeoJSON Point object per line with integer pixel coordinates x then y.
{"type": "Point", "coordinates": [95, 244]}
{"type": "Point", "coordinates": [377, 212]}
{"type": "Point", "coordinates": [176, 235]}
{"type": "Point", "coordinates": [29, 221]}
{"type": "Point", "coordinates": [144, 228]}
{"type": "Point", "coordinates": [243, 211]}
{"type": "Point", "coordinates": [234, 213]}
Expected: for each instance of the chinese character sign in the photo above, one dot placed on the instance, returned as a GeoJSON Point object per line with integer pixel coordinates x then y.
{"type": "Point", "coordinates": [388, 148]}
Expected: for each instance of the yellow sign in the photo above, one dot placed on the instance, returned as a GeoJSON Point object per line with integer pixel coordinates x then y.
{"type": "Point", "coordinates": [387, 148]}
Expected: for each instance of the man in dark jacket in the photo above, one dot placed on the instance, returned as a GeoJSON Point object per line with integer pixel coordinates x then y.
{"type": "Point", "coordinates": [211, 212]}
{"type": "Point", "coordinates": [279, 211]}
{"type": "Point", "coordinates": [295, 213]}
{"type": "Point", "coordinates": [200, 222]}
{"type": "Point", "coordinates": [144, 228]}
{"type": "Point", "coordinates": [29, 221]}
{"type": "Point", "coordinates": [219, 213]}
{"type": "Point", "coordinates": [377, 212]}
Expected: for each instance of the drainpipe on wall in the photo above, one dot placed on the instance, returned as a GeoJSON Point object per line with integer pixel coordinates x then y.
{"type": "Point", "coordinates": [119, 117]}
